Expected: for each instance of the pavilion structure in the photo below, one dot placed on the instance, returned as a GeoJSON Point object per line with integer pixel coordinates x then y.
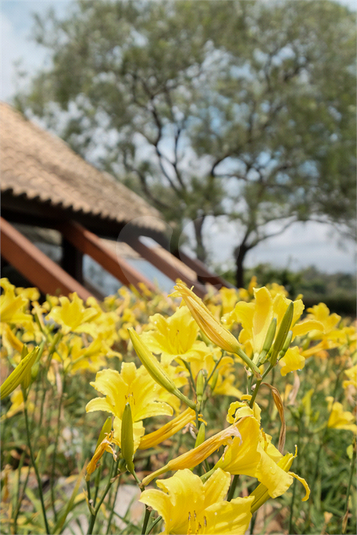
{"type": "Point", "coordinates": [46, 187]}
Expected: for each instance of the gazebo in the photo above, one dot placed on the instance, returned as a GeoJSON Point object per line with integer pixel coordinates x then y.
{"type": "Point", "coordinates": [46, 186]}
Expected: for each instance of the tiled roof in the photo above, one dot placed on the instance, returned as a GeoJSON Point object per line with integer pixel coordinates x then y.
{"type": "Point", "coordinates": [42, 167]}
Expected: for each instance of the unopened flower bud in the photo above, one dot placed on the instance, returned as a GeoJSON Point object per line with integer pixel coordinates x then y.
{"type": "Point", "coordinates": [200, 384]}
{"type": "Point", "coordinates": [201, 435]}
{"type": "Point", "coordinates": [214, 380]}
{"type": "Point", "coordinates": [155, 369]}
{"type": "Point", "coordinates": [269, 339]}
{"type": "Point", "coordinates": [127, 438]}
{"type": "Point", "coordinates": [106, 429]}
{"type": "Point", "coordinates": [282, 333]}
{"type": "Point", "coordinates": [21, 374]}
{"type": "Point", "coordinates": [286, 345]}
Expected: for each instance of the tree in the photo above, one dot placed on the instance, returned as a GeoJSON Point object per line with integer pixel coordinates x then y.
{"type": "Point", "coordinates": [244, 109]}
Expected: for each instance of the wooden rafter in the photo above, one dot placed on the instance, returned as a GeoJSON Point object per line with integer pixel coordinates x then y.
{"type": "Point", "coordinates": [204, 275]}
{"type": "Point", "coordinates": [88, 243]}
{"type": "Point", "coordinates": [35, 265]}
{"type": "Point", "coordinates": [166, 267]}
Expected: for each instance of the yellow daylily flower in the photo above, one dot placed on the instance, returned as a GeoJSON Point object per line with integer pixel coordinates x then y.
{"type": "Point", "coordinates": [9, 340]}
{"type": "Point", "coordinates": [224, 380]}
{"type": "Point", "coordinates": [173, 337]}
{"type": "Point", "coordinates": [340, 419]}
{"type": "Point", "coordinates": [189, 506]}
{"type": "Point", "coordinates": [166, 431]}
{"type": "Point", "coordinates": [195, 456]}
{"type": "Point", "coordinates": [17, 405]}
{"type": "Point", "coordinates": [322, 314]}
{"type": "Point", "coordinates": [261, 493]}
{"type": "Point", "coordinates": [76, 356]}
{"type": "Point", "coordinates": [11, 305]}
{"type": "Point", "coordinates": [352, 375]}
{"type": "Point", "coordinates": [129, 386]}
{"type": "Point", "coordinates": [252, 454]}
{"type": "Point", "coordinates": [214, 330]}
{"type": "Point", "coordinates": [293, 360]}
{"type": "Point", "coordinates": [229, 298]}
{"type": "Point", "coordinates": [210, 326]}
{"type": "Point", "coordinates": [29, 293]}
{"type": "Point", "coordinates": [257, 316]}
{"type": "Point", "coordinates": [103, 446]}
{"type": "Point", "coordinates": [247, 294]}
{"type": "Point", "coordinates": [72, 315]}
{"type": "Point", "coordinates": [275, 289]}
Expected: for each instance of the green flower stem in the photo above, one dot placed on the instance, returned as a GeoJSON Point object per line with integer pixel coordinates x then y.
{"type": "Point", "coordinates": [318, 454]}
{"type": "Point", "coordinates": [88, 490]}
{"type": "Point", "coordinates": [52, 477]}
{"type": "Point", "coordinates": [57, 338]}
{"type": "Point", "coordinates": [20, 494]}
{"type": "Point", "coordinates": [257, 385]}
{"type": "Point", "coordinates": [353, 463]}
{"type": "Point", "coordinates": [255, 392]}
{"type": "Point", "coordinates": [93, 517]}
{"type": "Point", "coordinates": [39, 482]}
{"type": "Point", "coordinates": [294, 484]}
{"type": "Point", "coordinates": [232, 488]}
{"type": "Point", "coordinates": [113, 505]}
{"type": "Point", "coordinates": [146, 519]}
{"type": "Point", "coordinates": [252, 523]}
{"type": "Point", "coordinates": [212, 372]}
{"type": "Point", "coordinates": [97, 482]}
{"type": "Point", "coordinates": [156, 521]}
{"type": "Point", "coordinates": [249, 363]}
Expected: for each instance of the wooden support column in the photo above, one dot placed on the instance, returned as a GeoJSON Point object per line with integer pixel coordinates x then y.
{"type": "Point", "coordinates": [35, 265]}
{"type": "Point", "coordinates": [88, 243]}
{"type": "Point", "coordinates": [204, 275]}
{"type": "Point", "coordinates": [164, 265]}
{"type": "Point", "coordinates": [72, 260]}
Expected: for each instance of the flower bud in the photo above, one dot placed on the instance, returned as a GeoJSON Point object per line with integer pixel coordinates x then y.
{"type": "Point", "coordinates": [286, 345]}
{"type": "Point", "coordinates": [127, 438]}
{"type": "Point", "coordinates": [214, 380]}
{"type": "Point", "coordinates": [269, 339]}
{"type": "Point", "coordinates": [106, 429]}
{"type": "Point", "coordinates": [21, 374]}
{"type": "Point", "coordinates": [208, 324]}
{"type": "Point", "coordinates": [201, 435]}
{"type": "Point", "coordinates": [200, 384]}
{"type": "Point", "coordinates": [155, 369]}
{"type": "Point", "coordinates": [282, 333]}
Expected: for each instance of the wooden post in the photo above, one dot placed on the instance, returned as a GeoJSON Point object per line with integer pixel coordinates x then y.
{"type": "Point", "coordinates": [72, 260]}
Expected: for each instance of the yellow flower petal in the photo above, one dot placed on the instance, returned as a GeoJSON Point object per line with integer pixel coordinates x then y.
{"type": "Point", "coordinates": [292, 360]}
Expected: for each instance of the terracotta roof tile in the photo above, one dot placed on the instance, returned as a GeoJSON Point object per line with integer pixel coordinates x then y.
{"type": "Point", "coordinates": [40, 166]}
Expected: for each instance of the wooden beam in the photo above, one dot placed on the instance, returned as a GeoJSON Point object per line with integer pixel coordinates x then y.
{"type": "Point", "coordinates": [35, 265]}
{"type": "Point", "coordinates": [204, 275]}
{"type": "Point", "coordinates": [88, 243]}
{"type": "Point", "coordinates": [166, 267]}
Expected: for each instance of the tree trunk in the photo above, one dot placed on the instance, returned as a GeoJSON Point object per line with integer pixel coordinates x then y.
{"type": "Point", "coordinates": [241, 251]}
{"type": "Point", "coordinates": [200, 248]}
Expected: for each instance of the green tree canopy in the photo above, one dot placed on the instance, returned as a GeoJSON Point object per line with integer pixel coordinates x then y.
{"type": "Point", "coordinates": [243, 109]}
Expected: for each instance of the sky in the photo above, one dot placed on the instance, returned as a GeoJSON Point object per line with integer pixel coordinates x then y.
{"type": "Point", "coordinates": [300, 246]}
